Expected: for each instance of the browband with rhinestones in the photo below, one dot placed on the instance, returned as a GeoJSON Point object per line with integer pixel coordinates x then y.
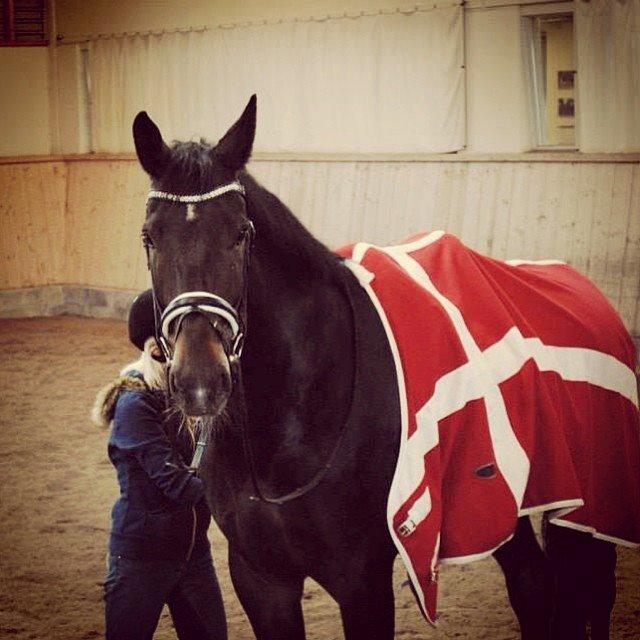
{"type": "Point", "coordinates": [200, 197]}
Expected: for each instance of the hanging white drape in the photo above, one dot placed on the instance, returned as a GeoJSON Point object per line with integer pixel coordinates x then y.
{"type": "Point", "coordinates": [608, 53]}
{"type": "Point", "coordinates": [383, 83]}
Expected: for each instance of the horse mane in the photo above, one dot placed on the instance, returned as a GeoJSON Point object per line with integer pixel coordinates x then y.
{"type": "Point", "coordinates": [192, 167]}
{"type": "Point", "coordinates": [300, 254]}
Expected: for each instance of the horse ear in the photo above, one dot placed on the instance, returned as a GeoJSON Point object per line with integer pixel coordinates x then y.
{"type": "Point", "coordinates": [234, 148]}
{"type": "Point", "coordinates": [150, 147]}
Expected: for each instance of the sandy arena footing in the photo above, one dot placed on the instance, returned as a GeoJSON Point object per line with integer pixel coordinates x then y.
{"type": "Point", "coordinates": [57, 487]}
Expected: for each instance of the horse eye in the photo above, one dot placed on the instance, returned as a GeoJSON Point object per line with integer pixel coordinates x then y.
{"type": "Point", "coordinates": [146, 239]}
{"type": "Point", "coordinates": [242, 236]}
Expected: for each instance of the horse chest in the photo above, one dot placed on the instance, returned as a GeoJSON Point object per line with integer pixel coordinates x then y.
{"type": "Point", "coordinates": [322, 529]}
{"type": "Point", "coordinates": [276, 539]}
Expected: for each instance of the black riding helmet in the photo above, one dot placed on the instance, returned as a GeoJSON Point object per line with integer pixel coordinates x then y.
{"type": "Point", "coordinates": [141, 319]}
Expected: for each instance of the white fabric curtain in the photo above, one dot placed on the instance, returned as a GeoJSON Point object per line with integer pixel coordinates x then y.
{"type": "Point", "coordinates": [382, 83]}
{"type": "Point", "coordinates": [608, 53]}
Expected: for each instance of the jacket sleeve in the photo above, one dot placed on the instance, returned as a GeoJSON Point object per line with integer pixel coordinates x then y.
{"type": "Point", "coordinates": [137, 429]}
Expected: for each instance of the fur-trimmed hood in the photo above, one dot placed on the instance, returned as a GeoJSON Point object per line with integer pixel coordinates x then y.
{"type": "Point", "coordinates": [105, 403]}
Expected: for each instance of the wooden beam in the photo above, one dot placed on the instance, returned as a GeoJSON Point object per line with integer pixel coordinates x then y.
{"type": "Point", "coordinates": [266, 156]}
{"type": "Point", "coordinates": [494, 4]}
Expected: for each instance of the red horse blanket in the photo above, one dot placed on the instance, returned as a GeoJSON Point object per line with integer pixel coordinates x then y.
{"type": "Point", "coordinates": [518, 395]}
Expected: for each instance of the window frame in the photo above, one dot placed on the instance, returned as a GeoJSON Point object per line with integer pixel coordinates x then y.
{"type": "Point", "coordinates": [10, 36]}
{"type": "Point", "coordinates": [533, 75]}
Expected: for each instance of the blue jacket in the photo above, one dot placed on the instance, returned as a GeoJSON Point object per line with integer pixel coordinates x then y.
{"type": "Point", "coordinates": [161, 512]}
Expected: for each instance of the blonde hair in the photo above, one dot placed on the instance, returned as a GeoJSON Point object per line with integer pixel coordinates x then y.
{"type": "Point", "coordinates": [153, 372]}
{"type": "Point", "coordinates": [155, 377]}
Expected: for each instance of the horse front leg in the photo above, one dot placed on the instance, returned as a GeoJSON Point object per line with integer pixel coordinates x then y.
{"type": "Point", "coordinates": [366, 601]}
{"type": "Point", "coordinates": [529, 580]}
{"type": "Point", "coordinates": [273, 606]}
{"type": "Point", "coordinates": [369, 613]}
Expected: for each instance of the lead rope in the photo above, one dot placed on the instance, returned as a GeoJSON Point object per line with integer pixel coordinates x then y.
{"type": "Point", "coordinates": [320, 474]}
{"type": "Point", "coordinates": [202, 440]}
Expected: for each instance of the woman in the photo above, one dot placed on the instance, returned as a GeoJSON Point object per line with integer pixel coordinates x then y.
{"type": "Point", "coordinates": [158, 548]}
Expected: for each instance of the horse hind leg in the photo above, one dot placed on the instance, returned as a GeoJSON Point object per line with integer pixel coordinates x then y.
{"type": "Point", "coordinates": [585, 582]}
{"type": "Point", "coordinates": [602, 595]}
{"type": "Point", "coordinates": [529, 581]}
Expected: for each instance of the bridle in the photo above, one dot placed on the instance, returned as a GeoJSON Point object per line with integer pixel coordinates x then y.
{"type": "Point", "coordinates": [204, 303]}
{"type": "Point", "coordinates": [210, 304]}
{"type": "Point", "coordinates": [200, 302]}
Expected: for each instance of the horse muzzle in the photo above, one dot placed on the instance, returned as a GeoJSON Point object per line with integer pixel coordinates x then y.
{"type": "Point", "coordinates": [199, 377]}
{"type": "Point", "coordinates": [199, 401]}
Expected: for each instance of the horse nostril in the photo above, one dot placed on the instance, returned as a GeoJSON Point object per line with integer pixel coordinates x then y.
{"type": "Point", "coordinates": [201, 395]}
{"type": "Point", "coordinates": [172, 382]}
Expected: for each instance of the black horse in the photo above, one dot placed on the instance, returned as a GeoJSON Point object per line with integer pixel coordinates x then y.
{"type": "Point", "coordinates": [306, 423]}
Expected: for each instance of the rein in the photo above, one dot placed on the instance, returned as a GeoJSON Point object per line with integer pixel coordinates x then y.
{"type": "Point", "coordinates": [206, 303]}
{"type": "Point", "coordinates": [320, 474]}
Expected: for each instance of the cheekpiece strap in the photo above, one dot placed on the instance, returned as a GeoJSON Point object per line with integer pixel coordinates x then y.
{"type": "Point", "coordinates": [199, 197]}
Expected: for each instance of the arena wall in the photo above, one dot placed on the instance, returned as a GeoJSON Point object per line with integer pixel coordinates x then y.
{"type": "Point", "coordinates": [70, 223]}
{"type": "Point", "coordinates": [73, 222]}
{"type": "Point", "coordinates": [24, 101]}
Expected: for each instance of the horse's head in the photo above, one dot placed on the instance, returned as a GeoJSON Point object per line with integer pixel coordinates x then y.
{"type": "Point", "coordinates": [198, 236]}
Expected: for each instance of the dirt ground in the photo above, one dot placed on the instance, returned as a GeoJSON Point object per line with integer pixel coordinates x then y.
{"type": "Point", "coordinates": [57, 487]}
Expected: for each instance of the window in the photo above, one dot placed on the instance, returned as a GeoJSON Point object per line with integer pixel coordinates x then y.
{"type": "Point", "coordinates": [552, 76]}
{"type": "Point", "coordinates": [22, 23]}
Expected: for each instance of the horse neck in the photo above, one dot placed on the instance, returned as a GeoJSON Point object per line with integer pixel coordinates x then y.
{"type": "Point", "coordinates": [298, 363]}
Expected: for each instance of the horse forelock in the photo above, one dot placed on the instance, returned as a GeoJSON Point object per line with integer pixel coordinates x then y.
{"type": "Point", "coordinates": [192, 168]}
